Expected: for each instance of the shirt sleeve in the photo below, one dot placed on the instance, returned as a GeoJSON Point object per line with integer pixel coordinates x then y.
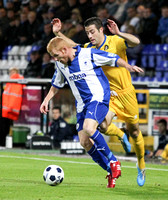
{"type": "Point", "coordinates": [58, 79]}
{"type": "Point", "coordinates": [101, 58]}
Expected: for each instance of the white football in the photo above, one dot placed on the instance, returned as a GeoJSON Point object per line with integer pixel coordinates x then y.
{"type": "Point", "coordinates": [53, 175]}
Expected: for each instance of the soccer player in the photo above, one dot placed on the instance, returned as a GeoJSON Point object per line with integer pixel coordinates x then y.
{"type": "Point", "coordinates": [123, 102]}
{"type": "Point", "coordinates": [80, 68]}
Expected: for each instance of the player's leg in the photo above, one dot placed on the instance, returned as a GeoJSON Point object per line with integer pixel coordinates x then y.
{"type": "Point", "coordinates": [90, 128]}
{"type": "Point", "coordinates": [113, 130]}
{"type": "Point", "coordinates": [138, 143]}
{"type": "Point", "coordinates": [113, 165]}
{"type": "Point", "coordinates": [88, 143]}
{"type": "Point", "coordinates": [164, 154]}
{"type": "Point", "coordinates": [92, 150]}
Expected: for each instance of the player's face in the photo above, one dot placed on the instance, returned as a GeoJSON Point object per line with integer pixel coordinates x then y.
{"type": "Point", "coordinates": [95, 36]}
{"type": "Point", "coordinates": [56, 114]}
{"type": "Point", "coordinates": [60, 55]}
{"type": "Point", "coordinates": [161, 128]}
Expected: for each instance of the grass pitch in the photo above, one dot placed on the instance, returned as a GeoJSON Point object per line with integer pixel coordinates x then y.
{"type": "Point", "coordinates": [21, 178]}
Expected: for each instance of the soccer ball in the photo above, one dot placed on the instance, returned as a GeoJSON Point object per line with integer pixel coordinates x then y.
{"type": "Point", "coordinates": [53, 175]}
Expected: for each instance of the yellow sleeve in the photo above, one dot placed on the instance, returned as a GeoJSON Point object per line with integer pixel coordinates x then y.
{"type": "Point", "coordinates": [120, 43]}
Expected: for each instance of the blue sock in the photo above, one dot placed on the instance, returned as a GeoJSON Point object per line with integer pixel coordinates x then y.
{"type": "Point", "coordinates": [102, 146]}
{"type": "Point", "coordinates": [98, 157]}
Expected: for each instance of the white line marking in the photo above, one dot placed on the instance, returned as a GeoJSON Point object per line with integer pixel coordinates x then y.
{"type": "Point", "coordinates": [75, 162]}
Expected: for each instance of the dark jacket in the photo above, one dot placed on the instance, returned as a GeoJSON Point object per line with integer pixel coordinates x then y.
{"type": "Point", "coordinates": [47, 70]}
{"type": "Point", "coordinates": [60, 130]}
{"type": "Point", "coordinates": [33, 70]}
{"type": "Point", "coordinates": [163, 140]}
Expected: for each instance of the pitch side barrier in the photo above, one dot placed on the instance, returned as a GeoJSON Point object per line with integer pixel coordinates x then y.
{"type": "Point", "coordinates": [44, 86]}
{"type": "Point", "coordinates": [145, 99]}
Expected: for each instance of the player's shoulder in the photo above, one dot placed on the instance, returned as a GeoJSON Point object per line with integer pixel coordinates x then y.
{"type": "Point", "coordinates": [87, 45]}
{"type": "Point", "coordinates": [113, 38]}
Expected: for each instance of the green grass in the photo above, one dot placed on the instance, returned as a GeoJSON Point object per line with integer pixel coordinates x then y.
{"type": "Point", "coordinates": [21, 179]}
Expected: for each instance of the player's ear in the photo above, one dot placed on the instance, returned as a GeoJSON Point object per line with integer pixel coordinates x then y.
{"type": "Point", "coordinates": [64, 50]}
{"type": "Point", "coordinates": [101, 29]}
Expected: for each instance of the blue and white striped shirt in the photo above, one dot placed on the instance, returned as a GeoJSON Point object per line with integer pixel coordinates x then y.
{"type": "Point", "coordinates": [85, 76]}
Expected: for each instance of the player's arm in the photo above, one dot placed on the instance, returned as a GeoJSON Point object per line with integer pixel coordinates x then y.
{"type": "Point", "coordinates": [56, 22]}
{"type": "Point", "coordinates": [131, 40]}
{"type": "Point", "coordinates": [129, 67]}
{"type": "Point", "coordinates": [44, 106]}
{"type": "Point", "coordinates": [103, 58]}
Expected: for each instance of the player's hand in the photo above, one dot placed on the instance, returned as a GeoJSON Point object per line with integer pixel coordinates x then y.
{"type": "Point", "coordinates": [44, 107]}
{"type": "Point", "coordinates": [112, 26]}
{"type": "Point", "coordinates": [136, 69]}
{"type": "Point", "coordinates": [57, 25]}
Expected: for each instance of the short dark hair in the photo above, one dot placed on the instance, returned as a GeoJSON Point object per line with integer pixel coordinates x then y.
{"type": "Point", "coordinates": [162, 121]}
{"type": "Point", "coordinates": [57, 108]}
{"type": "Point", "coordinates": [93, 20]}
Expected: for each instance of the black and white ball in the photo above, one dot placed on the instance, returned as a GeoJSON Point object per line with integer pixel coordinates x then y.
{"type": "Point", "coordinates": [53, 175]}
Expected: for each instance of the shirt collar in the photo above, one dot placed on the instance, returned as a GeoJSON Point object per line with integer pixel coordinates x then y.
{"type": "Point", "coordinates": [78, 49]}
{"type": "Point", "coordinates": [105, 37]}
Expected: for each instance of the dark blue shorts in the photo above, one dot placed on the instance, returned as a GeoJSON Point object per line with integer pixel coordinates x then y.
{"type": "Point", "coordinates": [95, 110]}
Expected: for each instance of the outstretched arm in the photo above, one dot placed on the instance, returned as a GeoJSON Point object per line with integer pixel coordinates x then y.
{"type": "Point", "coordinates": [103, 58]}
{"type": "Point", "coordinates": [57, 25]}
{"type": "Point", "coordinates": [131, 40]}
{"type": "Point", "coordinates": [44, 105]}
{"type": "Point", "coordinates": [129, 67]}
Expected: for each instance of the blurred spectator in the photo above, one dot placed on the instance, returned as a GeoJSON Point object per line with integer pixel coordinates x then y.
{"type": "Point", "coordinates": [33, 5]}
{"type": "Point", "coordinates": [112, 7]}
{"type": "Point", "coordinates": [59, 8]}
{"type": "Point", "coordinates": [4, 22]}
{"type": "Point", "coordinates": [9, 5]}
{"type": "Point", "coordinates": [33, 69]}
{"type": "Point", "coordinates": [147, 27]}
{"type": "Point", "coordinates": [32, 28]}
{"type": "Point", "coordinates": [13, 32]}
{"type": "Point", "coordinates": [51, 14]}
{"type": "Point", "coordinates": [96, 4]}
{"type": "Point", "coordinates": [103, 14]}
{"type": "Point", "coordinates": [41, 9]}
{"type": "Point", "coordinates": [48, 67]}
{"type": "Point", "coordinates": [80, 37]}
{"type": "Point", "coordinates": [140, 13]}
{"type": "Point", "coordinates": [85, 9]}
{"type": "Point", "coordinates": [2, 42]}
{"type": "Point", "coordinates": [11, 104]}
{"type": "Point", "coordinates": [10, 14]}
{"type": "Point", "coordinates": [132, 19]}
{"type": "Point", "coordinates": [163, 138]}
{"type": "Point", "coordinates": [162, 30]}
{"type": "Point", "coordinates": [120, 10]}
{"type": "Point", "coordinates": [76, 16]}
{"type": "Point", "coordinates": [46, 36]}
{"type": "Point", "coordinates": [134, 53]}
{"type": "Point", "coordinates": [16, 7]}
{"type": "Point", "coordinates": [71, 119]}
{"type": "Point", "coordinates": [69, 29]}
{"type": "Point", "coordinates": [128, 4]}
{"type": "Point", "coordinates": [71, 4]}
{"type": "Point", "coordinates": [25, 8]}
{"type": "Point", "coordinates": [103, 2]}
{"type": "Point", "coordinates": [59, 129]}
{"type": "Point", "coordinates": [23, 35]}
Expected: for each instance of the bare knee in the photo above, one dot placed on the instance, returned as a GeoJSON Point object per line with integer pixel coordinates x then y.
{"type": "Point", "coordinates": [134, 133]}
{"type": "Point", "coordinates": [133, 130]}
{"type": "Point", "coordinates": [88, 130]}
{"type": "Point", "coordinates": [86, 143]}
{"type": "Point", "coordinates": [103, 127]}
